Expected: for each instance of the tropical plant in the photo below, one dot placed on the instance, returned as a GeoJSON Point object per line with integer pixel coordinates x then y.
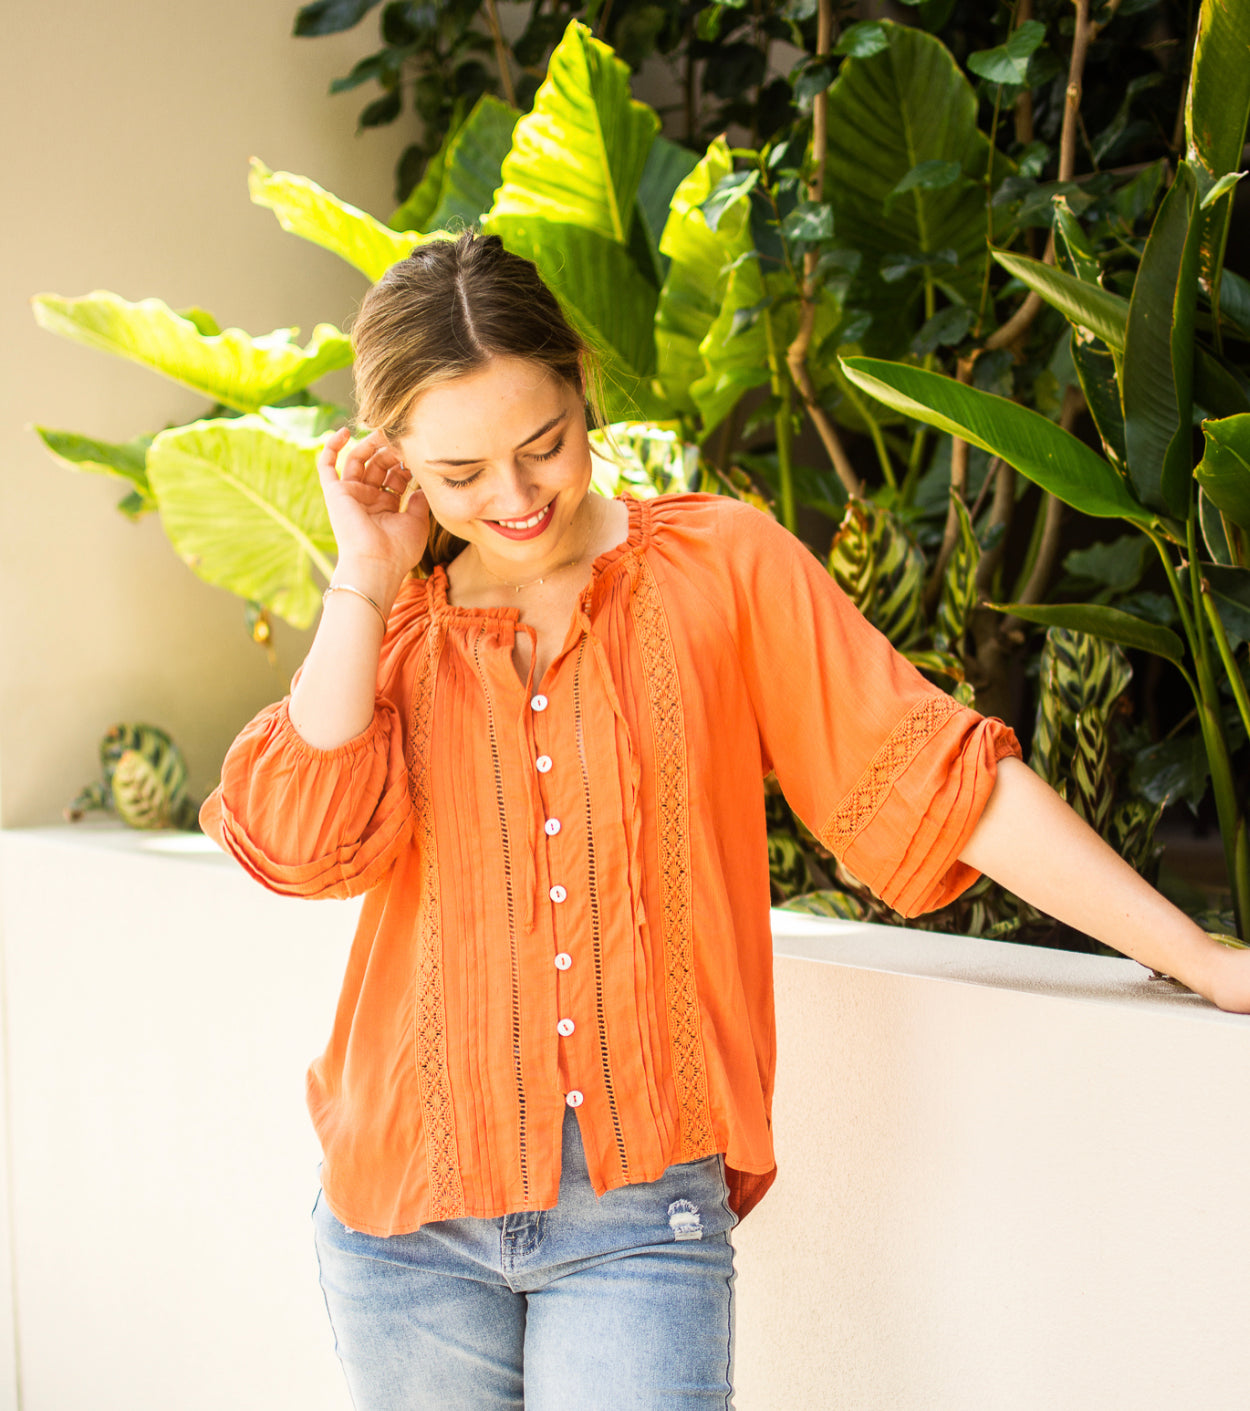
{"type": "Point", "coordinates": [719, 290]}
{"type": "Point", "coordinates": [1149, 364]}
{"type": "Point", "coordinates": [436, 60]}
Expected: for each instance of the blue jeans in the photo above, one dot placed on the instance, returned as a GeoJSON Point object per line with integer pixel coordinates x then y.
{"type": "Point", "coordinates": [619, 1303]}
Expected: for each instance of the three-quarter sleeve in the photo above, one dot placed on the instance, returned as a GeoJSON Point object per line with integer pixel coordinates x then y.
{"type": "Point", "coordinates": [888, 771]}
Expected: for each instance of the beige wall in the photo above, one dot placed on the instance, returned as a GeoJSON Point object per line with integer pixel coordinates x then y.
{"type": "Point", "coordinates": [1011, 1179]}
{"type": "Point", "coordinates": [127, 132]}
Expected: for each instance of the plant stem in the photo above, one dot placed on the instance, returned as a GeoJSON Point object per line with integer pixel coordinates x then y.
{"type": "Point", "coordinates": [915, 462]}
{"type": "Point", "coordinates": [782, 425]}
{"type": "Point", "coordinates": [1227, 655]}
{"type": "Point", "coordinates": [1182, 604]}
{"type": "Point", "coordinates": [796, 354]}
{"type": "Point", "coordinates": [1206, 697]}
{"type": "Point", "coordinates": [501, 52]}
{"type": "Point", "coordinates": [958, 484]}
{"type": "Point", "coordinates": [1085, 33]}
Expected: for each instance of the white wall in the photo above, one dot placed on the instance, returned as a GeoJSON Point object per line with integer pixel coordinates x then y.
{"type": "Point", "coordinates": [127, 132]}
{"type": "Point", "coordinates": [1010, 1178]}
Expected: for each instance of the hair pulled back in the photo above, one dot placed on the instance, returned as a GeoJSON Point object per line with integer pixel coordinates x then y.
{"type": "Point", "coordinates": [443, 313]}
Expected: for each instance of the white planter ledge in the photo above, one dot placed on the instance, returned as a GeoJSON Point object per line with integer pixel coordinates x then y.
{"type": "Point", "coordinates": [1009, 1177]}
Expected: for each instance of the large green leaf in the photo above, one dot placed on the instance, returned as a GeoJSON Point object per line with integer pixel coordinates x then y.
{"type": "Point", "coordinates": [1157, 379]}
{"type": "Point", "coordinates": [605, 297]}
{"type": "Point", "coordinates": [577, 158]}
{"type": "Point", "coordinates": [126, 461]}
{"type": "Point", "coordinates": [668, 165]}
{"type": "Point", "coordinates": [243, 507]}
{"type": "Point", "coordinates": [1216, 112]}
{"type": "Point", "coordinates": [694, 286]}
{"type": "Point", "coordinates": [1089, 306]}
{"type": "Point", "coordinates": [309, 211]}
{"type": "Point", "coordinates": [422, 200]}
{"type": "Point", "coordinates": [734, 352]}
{"type": "Point", "coordinates": [1110, 624]}
{"type": "Point", "coordinates": [1043, 452]}
{"type": "Point", "coordinates": [473, 168]}
{"type": "Point", "coordinates": [1224, 472]}
{"type": "Point", "coordinates": [1097, 360]}
{"type": "Point", "coordinates": [229, 367]}
{"type": "Point", "coordinates": [888, 113]}
{"type": "Point", "coordinates": [568, 200]}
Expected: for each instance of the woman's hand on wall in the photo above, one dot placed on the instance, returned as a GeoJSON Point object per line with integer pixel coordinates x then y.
{"type": "Point", "coordinates": [1031, 842]}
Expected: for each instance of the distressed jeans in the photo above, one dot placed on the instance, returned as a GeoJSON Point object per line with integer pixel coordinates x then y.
{"type": "Point", "coordinates": [617, 1303]}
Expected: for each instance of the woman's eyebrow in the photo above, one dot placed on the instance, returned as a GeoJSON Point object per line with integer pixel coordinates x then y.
{"type": "Point", "coordinates": [542, 431]}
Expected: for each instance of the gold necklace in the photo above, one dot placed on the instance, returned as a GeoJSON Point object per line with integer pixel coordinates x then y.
{"type": "Point", "coordinates": [535, 582]}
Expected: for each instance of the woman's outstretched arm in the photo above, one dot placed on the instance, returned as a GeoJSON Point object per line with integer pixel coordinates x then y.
{"type": "Point", "coordinates": [1031, 842]}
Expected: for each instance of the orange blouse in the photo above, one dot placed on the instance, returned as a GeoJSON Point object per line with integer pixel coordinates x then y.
{"type": "Point", "coordinates": [566, 887]}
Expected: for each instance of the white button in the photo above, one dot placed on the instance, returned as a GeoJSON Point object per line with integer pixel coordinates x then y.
{"type": "Point", "coordinates": [557, 893]}
{"type": "Point", "coordinates": [563, 960]}
{"type": "Point", "coordinates": [565, 1027]}
{"type": "Point", "coordinates": [543, 763]}
{"type": "Point", "coordinates": [538, 703]}
{"type": "Point", "coordinates": [551, 827]}
{"type": "Point", "coordinates": [574, 1099]}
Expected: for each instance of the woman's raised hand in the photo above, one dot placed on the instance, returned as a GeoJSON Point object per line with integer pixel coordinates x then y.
{"type": "Point", "coordinates": [373, 527]}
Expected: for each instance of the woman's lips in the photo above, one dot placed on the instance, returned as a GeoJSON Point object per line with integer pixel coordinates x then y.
{"type": "Point", "coordinates": [532, 532]}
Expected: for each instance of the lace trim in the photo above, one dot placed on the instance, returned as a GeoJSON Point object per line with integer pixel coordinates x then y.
{"type": "Point", "coordinates": [510, 901]}
{"type": "Point", "coordinates": [659, 665]}
{"type": "Point", "coordinates": [430, 1032]}
{"type": "Point", "coordinates": [857, 808]}
{"type": "Point", "coordinates": [596, 928]}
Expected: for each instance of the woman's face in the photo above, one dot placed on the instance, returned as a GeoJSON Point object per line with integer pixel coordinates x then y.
{"type": "Point", "coordinates": [503, 458]}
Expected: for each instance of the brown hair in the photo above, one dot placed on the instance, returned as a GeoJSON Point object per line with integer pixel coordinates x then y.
{"type": "Point", "coordinates": [444, 312]}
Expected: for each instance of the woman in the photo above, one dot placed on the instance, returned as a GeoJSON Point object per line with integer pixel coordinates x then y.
{"type": "Point", "coordinates": [546, 1097]}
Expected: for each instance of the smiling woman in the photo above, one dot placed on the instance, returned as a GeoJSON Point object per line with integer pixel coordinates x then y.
{"type": "Point", "coordinates": [542, 762]}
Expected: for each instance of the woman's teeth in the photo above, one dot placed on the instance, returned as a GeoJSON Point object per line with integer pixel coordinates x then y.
{"type": "Point", "coordinates": [525, 523]}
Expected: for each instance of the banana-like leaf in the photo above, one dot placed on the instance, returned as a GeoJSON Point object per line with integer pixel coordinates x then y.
{"type": "Point", "coordinates": [473, 169]}
{"type": "Point", "coordinates": [127, 461]}
{"type": "Point", "coordinates": [693, 289]}
{"type": "Point", "coordinates": [229, 367]}
{"type": "Point", "coordinates": [668, 165]}
{"type": "Point", "coordinates": [606, 298]}
{"type": "Point", "coordinates": [1224, 472]}
{"type": "Point", "coordinates": [1089, 306]}
{"type": "Point", "coordinates": [1217, 108]}
{"type": "Point", "coordinates": [734, 352]}
{"type": "Point", "coordinates": [1215, 532]}
{"type": "Point", "coordinates": [1041, 451]}
{"type": "Point", "coordinates": [1156, 388]}
{"type": "Point", "coordinates": [568, 201]}
{"type": "Point", "coordinates": [242, 506]}
{"type": "Point", "coordinates": [1219, 388]}
{"type": "Point", "coordinates": [1097, 360]}
{"type": "Point", "coordinates": [577, 158]}
{"type": "Point", "coordinates": [888, 113]}
{"type": "Point", "coordinates": [422, 201]}
{"type": "Point", "coordinates": [1110, 624]}
{"type": "Point", "coordinates": [307, 210]}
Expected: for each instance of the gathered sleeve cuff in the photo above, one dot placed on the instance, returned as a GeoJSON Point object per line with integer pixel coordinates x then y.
{"type": "Point", "coordinates": [308, 822]}
{"type": "Point", "coordinates": [900, 830]}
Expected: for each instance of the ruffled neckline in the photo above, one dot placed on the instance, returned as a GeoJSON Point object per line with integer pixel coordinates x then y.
{"type": "Point", "coordinates": [637, 537]}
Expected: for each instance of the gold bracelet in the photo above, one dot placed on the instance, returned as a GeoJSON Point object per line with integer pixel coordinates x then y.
{"type": "Point", "coordinates": [347, 588]}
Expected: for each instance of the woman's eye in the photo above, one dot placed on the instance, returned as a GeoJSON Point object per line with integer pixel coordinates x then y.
{"type": "Point", "coordinates": [555, 451]}
{"type": "Point", "coordinates": [460, 484]}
